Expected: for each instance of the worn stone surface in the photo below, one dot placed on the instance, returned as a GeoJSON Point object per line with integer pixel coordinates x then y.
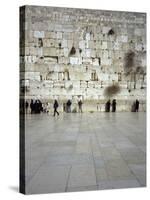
{"type": "Point", "coordinates": [80, 152]}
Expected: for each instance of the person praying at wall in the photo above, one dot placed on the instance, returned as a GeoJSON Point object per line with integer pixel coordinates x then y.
{"type": "Point", "coordinates": [107, 106]}
{"type": "Point", "coordinates": [80, 106]}
{"type": "Point", "coordinates": [69, 106]}
{"type": "Point", "coordinates": [137, 106]}
{"type": "Point", "coordinates": [114, 105]}
{"type": "Point", "coordinates": [55, 106]}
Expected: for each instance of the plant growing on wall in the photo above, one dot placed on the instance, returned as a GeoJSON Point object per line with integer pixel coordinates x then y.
{"type": "Point", "coordinates": [132, 68]}
{"type": "Point", "coordinates": [73, 51]}
{"type": "Point", "coordinates": [112, 90]}
{"type": "Point", "coordinates": [111, 32]}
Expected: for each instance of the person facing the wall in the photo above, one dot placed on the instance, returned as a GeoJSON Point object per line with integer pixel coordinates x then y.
{"type": "Point", "coordinates": [80, 105]}
{"type": "Point", "coordinates": [137, 105]}
{"type": "Point", "coordinates": [107, 106]}
{"type": "Point", "coordinates": [114, 105]}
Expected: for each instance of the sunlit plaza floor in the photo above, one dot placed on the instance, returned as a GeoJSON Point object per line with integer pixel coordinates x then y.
{"type": "Point", "coordinates": [88, 151]}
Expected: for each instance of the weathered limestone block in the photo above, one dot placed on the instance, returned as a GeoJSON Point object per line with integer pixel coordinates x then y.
{"type": "Point", "coordinates": [50, 60]}
{"type": "Point", "coordinates": [106, 62]}
{"type": "Point", "coordinates": [104, 45]}
{"type": "Point", "coordinates": [71, 43]}
{"type": "Point", "coordinates": [39, 52]}
{"type": "Point", "coordinates": [63, 60]}
{"type": "Point", "coordinates": [87, 36]}
{"type": "Point", "coordinates": [67, 35]}
{"type": "Point", "coordinates": [113, 77]}
{"type": "Point", "coordinates": [68, 85]}
{"type": "Point", "coordinates": [98, 45]}
{"type": "Point", "coordinates": [138, 47]}
{"type": "Point", "coordinates": [77, 76]}
{"type": "Point", "coordinates": [75, 61]}
{"type": "Point", "coordinates": [47, 51]}
{"type": "Point", "coordinates": [30, 59]}
{"type": "Point", "coordinates": [32, 76]}
{"type": "Point", "coordinates": [50, 34]}
{"type": "Point", "coordinates": [103, 77]}
{"type": "Point", "coordinates": [48, 42]}
{"type": "Point", "coordinates": [59, 84]}
{"type": "Point", "coordinates": [91, 84]}
{"type": "Point", "coordinates": [31, 51]}
{"type": "Point", "coordinates": [66, 52]}
{"type": "Point", "coordinates": [39, 34]}
{"type": "Point", "coordinates": [82, 44]}
{"type": "Point", "coordinates": [59, 35]}
{"type": "Point", "coordinates": [48, 83]}
{"type": "Point", "coordinates": [87, 61]}
{"type": "Point", "coordinates": [95, 62]}
{"type": "Point", "coordinates": [64, 43]}
{"type": "Point", "coordinates": [122, 38]}
{"type": "Point", "coordinates": [138, 32]}
{"type": "Point", "coordinates": [98, 85]}
{"type": "Point", "coordinates": [83, 84]}
{"type": "Point", "coordinates": [76, 84]}
{"type": "Point", "coordinates": [105, 29]}
{"type": "Point", "coordinates": [52, 75]}
{"type": "Point", "coordinates": [117, 45]}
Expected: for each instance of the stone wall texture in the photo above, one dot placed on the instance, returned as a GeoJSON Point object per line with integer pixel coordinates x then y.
{"type": "Point", "coordinates": [76, 54]}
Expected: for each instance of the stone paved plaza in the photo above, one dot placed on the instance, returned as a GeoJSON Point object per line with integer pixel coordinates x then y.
{"type": "Point", "coordinates": [78, 152]}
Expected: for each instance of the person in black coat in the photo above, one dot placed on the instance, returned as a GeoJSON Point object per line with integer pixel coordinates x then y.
{"type": "Point", "coordinates": [32, 106]}
{"type": "Point", "coordinates": [55, 106]}
{"type": "Point", "coordinates": [114, 105]}
{"type": "Point", "coordinates": [107, 106]}
{"type": "Point", "coordinates": [136, 105]}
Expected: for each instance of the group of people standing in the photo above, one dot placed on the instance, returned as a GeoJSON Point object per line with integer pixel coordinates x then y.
{"type": "Point", "coordinates": [108, 105]}
{"type": "Point", "coordinates": [67, 106]}
{"type": "Point", "coordinates": [35, 106]}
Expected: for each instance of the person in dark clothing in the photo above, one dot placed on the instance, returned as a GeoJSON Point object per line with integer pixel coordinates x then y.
{"type": "Point", "coordinates": [36, 107]}
{"type": "Point", "coordinates": [136, 105]}
{"type": "Point", "coordinates": [133, 107]}
{"type": "Point", "coordinates": [40, 108]}
{"type": "Point", "coordinates": [80, 106]}
{"type": "Point", "coordinates": [114, 105]}
{"type": "Point", "coordinates": [107, 106]}
{"type": "Point", "coordinates": [26, 106]}
{"type": "Point", "coordinates": [55, 107]}
{"type": "Point", "coordinates": [32, 106]}
{"type": "Point", "coordinates": [69, 106]}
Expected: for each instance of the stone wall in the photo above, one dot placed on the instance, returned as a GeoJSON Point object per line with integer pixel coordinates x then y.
{"type": "Point", "coordinates": [77, 53]}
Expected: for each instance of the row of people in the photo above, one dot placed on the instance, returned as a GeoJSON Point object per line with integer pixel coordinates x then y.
{"type": "Point", "coordinates": [36, 106]}
{"type": "Point", "coordinates": [67, 106]}
{"type": "Point", "coordinates": [134, 108]}
{"type": "Point", "coordinates": [109, 104]}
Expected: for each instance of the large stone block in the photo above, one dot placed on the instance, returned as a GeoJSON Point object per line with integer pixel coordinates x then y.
{"type": "Point", "coordinates": [39, 34]}
{"type": "Point", "coordinates": [75, 61]}
{"type": "Point", "coordinates": [32, 76]}
{"type": "Point", "coordinates": [47, 51]}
